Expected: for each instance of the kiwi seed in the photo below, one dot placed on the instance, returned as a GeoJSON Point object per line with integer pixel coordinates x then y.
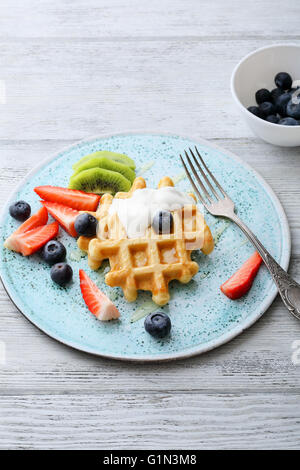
{"type": "Point", "coordinates": [99, 181]}
{"type": "Point", "coordinates": [107, 164]}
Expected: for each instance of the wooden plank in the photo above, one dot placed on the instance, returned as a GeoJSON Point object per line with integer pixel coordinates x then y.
{"type": "Point", "coordinates": [74, 88]}
{"type": "Point", "coordinates": [150, 421]}
{"type": "Point", "coordinates": [113, 21]}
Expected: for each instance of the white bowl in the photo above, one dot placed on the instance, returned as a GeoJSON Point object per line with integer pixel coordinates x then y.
{"type": "Point", "coordinates": [257, 70]}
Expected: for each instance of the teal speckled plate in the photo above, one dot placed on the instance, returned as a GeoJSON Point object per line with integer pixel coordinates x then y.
{"type": "Point", "coordinates": [202, 317]}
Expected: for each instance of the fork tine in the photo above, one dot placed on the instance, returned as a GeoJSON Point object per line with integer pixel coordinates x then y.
{"type": "Point", "coordinates": [197, 178]}
{"type": "Point", "coordinates": [192, 182]}
{"type": "Point", "coordinates": [211, 175]}
{"type": "Point", "coordinates": [204, 175]}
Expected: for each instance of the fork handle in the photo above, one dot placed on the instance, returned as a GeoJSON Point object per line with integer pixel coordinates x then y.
{"type": "Point", "coordinates": [287, 287]}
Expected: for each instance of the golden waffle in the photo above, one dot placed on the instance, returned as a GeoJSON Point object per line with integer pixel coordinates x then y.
{"type": "Point", "coordinates": [151, 262]}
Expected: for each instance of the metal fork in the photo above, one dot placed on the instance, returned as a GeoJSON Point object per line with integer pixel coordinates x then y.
{"type": "Point", "coordinates": [218, 203]}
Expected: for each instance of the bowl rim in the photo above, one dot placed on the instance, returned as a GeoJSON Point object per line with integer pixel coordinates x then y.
{"type": "Point", "coordinates": [236, 98]}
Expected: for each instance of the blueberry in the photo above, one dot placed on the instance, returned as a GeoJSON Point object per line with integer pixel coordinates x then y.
{"type": "Point", "coordinates": [275, 93]}
{"type": "Point", "coordinates": [293, 110]}
{"type": "Point", "coordinates": [86, 225]}
{"type": "Point", "coordinates": [158, 324]}
{"type": "Point", "coordinates": [288, 121]}
{"type": "Point", "coordinates": [20, 210]}
{"type": "Point", "coordinates": [272, 118]}
{"type": "Point", "coordinates": [295, 95]}
{"type": "Point", "coordinates": [61, 273]}
{"type": "Point", "coordinates": [283, 80]}
{"type": "Point", "coordinates": [54, 252]}
{"type": "Point", "coordinates": [254, 110]}
{"type": "Point", "coordinates": [262, 95]}
{"type": "Point", "coordinates": [162, 222]}
{"type": "Point", "coordinates": [281, 103]}
{"type": "Point", "coordinates": [266, 109]}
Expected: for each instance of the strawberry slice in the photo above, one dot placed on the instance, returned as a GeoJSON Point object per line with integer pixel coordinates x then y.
{"type": "Point", "coordinates": [69, 197]}
{"type": "Point", "coordinates": [31, 241]}
{"type": "Point", "coordinates": [96, 301]}
{"type": "Point", "coordinates": [64, 215]}
{"type": "Point", "coordinates": [36, 220]}
{"type": "Point", "coordinates": [241, 281]}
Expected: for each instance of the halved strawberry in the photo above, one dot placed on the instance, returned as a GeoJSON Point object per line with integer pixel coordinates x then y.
{"type": "Point", "coordinates": [241, 281]}
{"type": "Point", "coordinates": [69, 197]}
{"type": "Point", "coordinates": [64, 215]}
{"type": "Point", "coordinates": [36, 220]}
{"type": "Point", "coordinates": [96, 301]}
{"type": "Point", "coordinates": [31, 241]}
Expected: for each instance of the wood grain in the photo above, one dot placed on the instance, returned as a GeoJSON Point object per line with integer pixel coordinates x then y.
{"type": "Point", "coordinates": [88, 88]}
{"type": "Point", "coordinates": [76, 69]}
{"type": "Point", "coordinates": [147, 421]}
{"type": "Point", "coordinates": [110, 20]}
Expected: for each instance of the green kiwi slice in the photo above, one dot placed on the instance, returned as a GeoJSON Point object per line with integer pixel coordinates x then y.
{"type": "Point", "coordinates": [116, 157]}
{"type": "Point", "coordinates": [107, 164]}
{"type": "Point", "coordinates": [99, 181]}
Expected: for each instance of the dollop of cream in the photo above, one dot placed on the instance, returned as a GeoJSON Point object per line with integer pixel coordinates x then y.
{"type": "Point", "coordinates": [136, 213]}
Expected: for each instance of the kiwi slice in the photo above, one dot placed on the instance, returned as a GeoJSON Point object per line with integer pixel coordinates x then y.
{"type": "Point", "coordinates": [116, 157]}
{"type": "Point", "coordinates": [107, 164]}
{"type": "Point", "coordinates": [99, 181]}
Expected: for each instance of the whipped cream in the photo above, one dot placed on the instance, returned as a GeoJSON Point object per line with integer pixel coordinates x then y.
{"type": "Point", "coordinates": [136, 213]}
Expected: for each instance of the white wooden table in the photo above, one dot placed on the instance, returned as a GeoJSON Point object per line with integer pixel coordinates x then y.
{"type": "Point", "coordinates": [73, 69]}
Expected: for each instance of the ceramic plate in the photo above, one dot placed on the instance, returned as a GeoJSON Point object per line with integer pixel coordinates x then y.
{"type": "Point", "coordinates": [202, 317]}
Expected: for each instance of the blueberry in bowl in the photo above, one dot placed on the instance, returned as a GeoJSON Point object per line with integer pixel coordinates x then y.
{"type": "Point", "coordinates": [254, 110]}
{"type": "Point", "coordinates": [281, 103]}
{"type": "Point", "coordinates": [273, 118]}
{"type": "Point", "coordinates": [275, 93]}
{"type": "Point", "coordinates": [275, 103]}
{"type": "Point", "coordinates": [158, 324]}
{"type": "Point", "coordinates": [277, 106]}
{"type": "Point", "coordinates": [288, 121]}
{"type": "Point", "coordinates": [263, 95]}
{"type": "Point", "coordinates": [53, 252]}
{"type": "Point", "coordinates": [293, 109]}
{"type": "Point", "coordinates": [266, 109]}
{"type": "Point", "coordinates": [20, 210]}
{"type": "Point", "coordinates": [283, 80]}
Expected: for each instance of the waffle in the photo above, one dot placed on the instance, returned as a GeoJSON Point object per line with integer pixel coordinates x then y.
{"type": "Point", "coordinates": [151, 262]}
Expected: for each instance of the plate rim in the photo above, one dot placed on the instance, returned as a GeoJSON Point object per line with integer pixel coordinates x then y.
{"type": "Point", "coordinates": [196, 350]}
